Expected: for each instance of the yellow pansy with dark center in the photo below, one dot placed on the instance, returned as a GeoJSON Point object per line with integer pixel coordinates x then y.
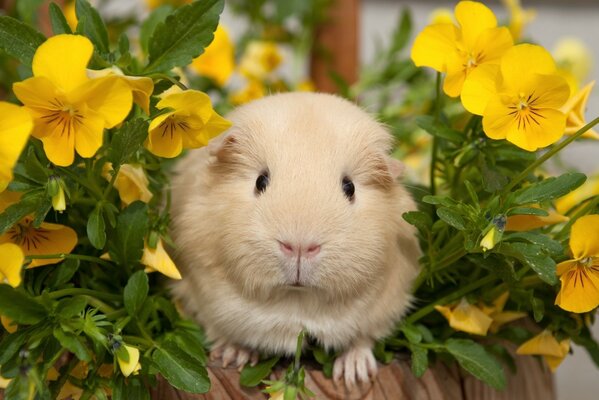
{"type": "Point", "coordinates": [191, 124]}
{"type": "Point", "coordinates": [459, 50]}
{"type": "Point", "coordinates": [70, 110]}
{"type": "Point", "coordinates": [580, 276]}
{"type": "Point", "coordinates": [520, 98]}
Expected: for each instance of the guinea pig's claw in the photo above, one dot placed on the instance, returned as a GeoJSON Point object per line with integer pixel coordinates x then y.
{"type": "Point", "coordinates": [234, 355]}
{"type": "Point", "coordinates": [356, 365]}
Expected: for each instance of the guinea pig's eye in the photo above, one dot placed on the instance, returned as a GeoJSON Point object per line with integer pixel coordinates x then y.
{"type": "Point", "coordinates": [262, 182]}
{"type": "Point", "coordinates": [348, 188]}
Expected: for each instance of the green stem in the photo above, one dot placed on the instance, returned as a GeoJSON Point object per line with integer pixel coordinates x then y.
{"type": "Point", "coordinates": [139, 341]}
{"type": "Point", "coordinates": [298, 350]}
{"type": "Point", "coordinates": [100, 305]}
{"type": "Point", "coordinates": [64, 256]}
{"type": "Point", "coordinates": [444, 263]}
{"type": "Point", "coordinates": [424, 311]}
{"type": "Point", "coordinates": [85, 292]}
{"type": "Point", "coordinates": [554, 150]}
{"type": "Point", "coordinates": [435, 141]}
{"type": "Point", "coordinates": [168, 78]}
{"type": "Point", "coordinates": [111, 183]}
{"type": "Point", "coordinates": [93, 190]}
{"type": "Point", "coordinates": [116, 314]}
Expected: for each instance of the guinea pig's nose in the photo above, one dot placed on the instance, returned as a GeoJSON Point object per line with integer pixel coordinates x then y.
{"type": "Point", "coordinates": [303, 250]}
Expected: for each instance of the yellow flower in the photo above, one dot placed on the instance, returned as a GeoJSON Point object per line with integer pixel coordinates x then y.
{"type": "Point", "coordinates": [70, 14]}
{"type": "Point", "coordinates": [132, 366]}
{"type": "Point", "coordinates": [580, 276]}
{"type": "Point", "coordinates": [458, 51]}
{"type": "Point", "coordinates": [306, 86]}
{"type": "Point", "coordinates": [218, 60]}
{"type": "Point", "coordinates": [499, 316]}
{"type": "Point", "coordinates": [158, 260]}
{"type": "Point", "coordinates": [546, 345]}
{"type": "Point", "coordinates": [523, 223]}
{"type": "Point", "coordinates": [519, 17]}
{"type": "Point", "coordinates": [12, 261]}
{"type": "Point", "coordinates": [131, 183]}
{"type": "Point", "coordinates": [441, 16]}
{"type": "Point", "coordinates": [574, 110]}
{"type": "Point", "coordinates": [252, 91]}
{"type": "Point", "coordinates": [191, 124]}
{"type": "Point", "coordinates": [574, 56]}
{"type": "Point", "coordinates": [46, 239]}
{"type": "Point", "coordinates": [466, 317]}
{"type": "Point", "coordinates": [259, 59]}
{"type": "Point", "coordinates": [520, 99]}
{"type": "Point", "coordinates": [576, 197]}
{"type": "Point", "coordinates": [15, 126]}
{"type": "Point", "coordinates": [141, 86]}
{"type": "Point", "coordinates": [70, 110]}
{"type": "Point", "coordinates": [8, 323]}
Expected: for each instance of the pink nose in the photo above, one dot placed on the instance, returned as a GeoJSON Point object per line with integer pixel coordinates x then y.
{"type": "Point", "coordinates": [295, 249]}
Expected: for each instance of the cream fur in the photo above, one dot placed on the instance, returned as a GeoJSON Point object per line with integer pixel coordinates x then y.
{"type": "Point", "coordinates": [236, 279]}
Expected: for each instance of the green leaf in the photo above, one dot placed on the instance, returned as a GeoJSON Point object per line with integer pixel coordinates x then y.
{"type": "Point", "coordinates": [533, 256]}
{"type": "Point", "coordinates": [126, 244]}
{"type": "Point", "coordinates": [180, 369]}
{"type": "Point", "coordinates": [493, 180]}
{"type": "Point", "coordinates": [419, 219]}
{"type": "Point", "coordinates": [411, 332]}
{"type": "Point", "coordinates": [544, 241]}
{"type": "Point", "coordinates": [191, 343]}
{"type": "Point", "coordinates": [452, 217]}
{"type": "Point", "coordinates": [528, 211]}
{"type": "Point", "coordinates": [58, 20]}
{"type": "Point", "coordinates": [419, 360]}
{"type": "Point", "coordinates": [19, 40]}
{"type": "Point", "coordinates": [401, 36]}
{"type": "Point", "coordinates": [474, 358]}
{"type": "Point", "coordinates": [183, 35]}
{"type": "Point", "coordinates": [439, 129]}
{"type": "Point", "coordinates": [252, 376]}
{"type": "Point", "coordinates": [549, 189]}
{"type": "Point", "coordinates": [11, 344]}
{"type": "Point", "coordinates": [63, 272]}
{"type": "Point", "coordinates": [149, 25]}
{"type": "Point", "coordinates": [19, 307]}
{"type": "Point", "coordinates": [91, 25]}
{"type": "Point", "coordinates": [135, 292]}
{"type": "Point", "coordinates": [129, 139]}
{"type": "Point", "coordinates": [71, 306]}
{"type": "Point", "coordinates": [96, 229]}
{"type": "Point", "coordinates": [73, 343]}
{"type": "Point", "coordinates": [14, 213]}
{"type": "Point", "coordinates": [442, 200]}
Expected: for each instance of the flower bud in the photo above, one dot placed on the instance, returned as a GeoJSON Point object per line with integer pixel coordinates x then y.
{"type": "Point", "coordinates": [56, 190]}
{"type": "Point", "coordinates": [132, 365]}
{"type": "Point", "coordinates": [494, 233]}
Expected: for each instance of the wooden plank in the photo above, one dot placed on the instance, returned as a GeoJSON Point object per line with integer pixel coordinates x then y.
{"type": "Point", "coordinates": [336, 46]}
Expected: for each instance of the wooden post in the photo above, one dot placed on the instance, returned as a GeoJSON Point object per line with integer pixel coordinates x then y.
{"type": "Point", "coordinates": [336, 46]}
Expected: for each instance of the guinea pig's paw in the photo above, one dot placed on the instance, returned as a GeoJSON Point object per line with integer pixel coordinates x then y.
{"type": "Point", "coordinates": [230, 354]}
{"type": "Point", "coordinates": [355, 365]}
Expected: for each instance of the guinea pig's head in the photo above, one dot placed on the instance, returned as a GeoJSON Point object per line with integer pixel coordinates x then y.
{"type": "Point", "coordinates": [305, 195]}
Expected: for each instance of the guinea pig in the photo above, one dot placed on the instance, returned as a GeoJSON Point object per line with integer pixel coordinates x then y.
{"type": "Point", "coordinates": [291, 220]}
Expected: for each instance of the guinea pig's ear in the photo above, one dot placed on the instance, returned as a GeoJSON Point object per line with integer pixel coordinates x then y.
{"type": "Point", "coordinates": [396, 167]}
{"type": "Point", "coordinates": [225, 145]}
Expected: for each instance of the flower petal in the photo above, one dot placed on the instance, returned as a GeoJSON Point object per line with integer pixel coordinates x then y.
{"type": "Point", "coordinates": [158, 260]}
{"type": "Point", "coordinates": [543, 344]}
{"type": "Point", "coordinates": [165, 144]}
{"type": "Point", "coordinates": [553, 361]}
{"type": "Point", "coordinates": [479, 87]}
{"type": "Point", "coordinates": [580, 289]}
{"type": "Point", "coordinates": [15, 126]}
{"type": "Point", "coordinates": [523, 223]}
{"type": "Point", "coordinates": [89, 134]}
{"type": "Point", "coordinates": [62, 59]}
{"type": "Point", "coordinates": [548, 130]}
{"type": "Point", "coordinates": [59, 148]}
{"type": "Point", "coordinates": [454, 81]}
{"type": "Point", "coordinates": [473, 18]}
{"type": "Point", "coordinates": [433, 45]}
{"type": "Point", "coordinates": [129, 367]}
{"type": "Point", "coordinates": [575, 198]}
{"type": "Point", "coordinates": [109, 96]}
{"type": "Point", "coordinates": [521, 64]}
{"type": "Point", "coordinates": [37, 93]}
{"type": "Point", "coordinates": [584, 237]}
{"type": "Point", "coordinates": [132, 184]}
{"type": "Point", "coordinates": [218, 61]}
{"type": "Point", "coordinates": [188, 102]}
{"type": "Point", "coordinates": [492, 44]}
{"type": "Point", "coordinates": [468, 318]}
{"type": "Point", "coordinates": [550, 91]}
{"type": "Point", "coordinates": [49, 239]}
{"type": "Point", "coordinates": [12, 263]}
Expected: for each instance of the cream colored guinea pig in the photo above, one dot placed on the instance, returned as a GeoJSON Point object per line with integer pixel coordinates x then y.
{"type": "Point", "coordinates": [292, 220]}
